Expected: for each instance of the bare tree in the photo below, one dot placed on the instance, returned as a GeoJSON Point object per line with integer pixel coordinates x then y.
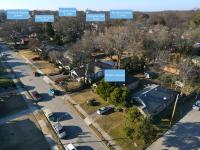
{"type": "Point", "coordinates": [81, 52]}
{"type": "Point", "coordinates": [189, 73]}
{"type": "Point", "coordinates": [115, 41]}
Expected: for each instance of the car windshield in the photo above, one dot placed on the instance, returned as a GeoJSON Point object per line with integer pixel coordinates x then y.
{"type": "Point", "coordinates": [198, 103]}
{"type": "Point", "coordinates": [103, 108]}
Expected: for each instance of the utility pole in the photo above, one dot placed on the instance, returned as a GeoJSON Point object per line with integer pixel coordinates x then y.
{"type": "Point", "coordinates": [174, 109]}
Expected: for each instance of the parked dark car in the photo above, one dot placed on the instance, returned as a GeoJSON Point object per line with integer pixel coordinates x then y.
{"type": "Point", "coordinates": [37, 74]}
{"type": "Point", "coordinates": [36, 96]}
{"type": "Point", "coordinates": [55, 92]}
{"type": "Point", "coordinates": [35, 58]}
{"type": "Point", "coordinates": [92, 102]}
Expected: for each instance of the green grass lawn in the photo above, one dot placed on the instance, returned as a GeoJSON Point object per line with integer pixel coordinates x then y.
{"type": "Point", "coordinates": [114, 124]}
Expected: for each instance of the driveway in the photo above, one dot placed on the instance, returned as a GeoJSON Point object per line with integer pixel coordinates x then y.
{"type": "Point", "coordinates": [77, 131]}
{"type": "Point", "coordinates": [185, 135]}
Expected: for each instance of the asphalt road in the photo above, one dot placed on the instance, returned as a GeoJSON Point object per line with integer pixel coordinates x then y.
{"type": "Point", "coordinates": [77, 131]}
{"type": "Point", "coordinates": [185, 135]}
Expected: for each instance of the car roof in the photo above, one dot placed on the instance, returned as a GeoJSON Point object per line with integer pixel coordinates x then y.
{"type": "Point", "coordinates": [58, 126]}
{"type": "Point", "coordinates": [70, 146]}
{"type": "Point", "coordinates": [34, 92]}
{"type": "Point", "coordinates": [102, 108]}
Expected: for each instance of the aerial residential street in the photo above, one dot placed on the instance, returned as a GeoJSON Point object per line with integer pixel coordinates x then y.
{"type": "Point", "coordinates": [99, 75]}
{"type": "Point", "coordinates": [77, 131]}
{"type": "Point", "coordinates": [184, 135]}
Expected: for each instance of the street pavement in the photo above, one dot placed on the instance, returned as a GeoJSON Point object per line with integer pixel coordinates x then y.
{"type": "Point", "coordinates": [184, 135]}
{"type": "Point", "coordinates": [77, 131]}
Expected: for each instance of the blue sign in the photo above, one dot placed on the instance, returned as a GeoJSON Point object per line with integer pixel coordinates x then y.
{"type": "Point", "coordinates": [18, 14]}
{"type": "Point", "coordinates": [67, 12]}
{"type": "Point", "coordinates": [95, 17]}
{"type": "Point", "coordinates": [44, 18]}
{"type": "Point", "coordinates": [121, 14]}
{"type": "Point", "coordinates": [114, 75]}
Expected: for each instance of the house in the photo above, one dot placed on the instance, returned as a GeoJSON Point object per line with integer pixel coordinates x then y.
{"type": "Point", "coordinates": [93, 72]}
{"type": "Point", "coordinates": [196, 60]}
{"type": "Point", "coordinates": [78, 73]}
{"type": "Point", "coordinates": [154, 99]}
{"type": "Point", "coordinates": [131, 82]}
{"type": "Point", "coordinates": [64, 63]}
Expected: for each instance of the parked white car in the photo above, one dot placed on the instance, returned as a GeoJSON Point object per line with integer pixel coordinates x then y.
{"type": "Point", "coordinates": [59, 130]}
{"type": "Point", "coordinates": [196, 106]}
{"type": "Point", "coordinates": [70, 147]}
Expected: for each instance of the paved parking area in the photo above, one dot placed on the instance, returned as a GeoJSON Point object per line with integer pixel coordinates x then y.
{"type": "Point", "coordinates": [184, 135]}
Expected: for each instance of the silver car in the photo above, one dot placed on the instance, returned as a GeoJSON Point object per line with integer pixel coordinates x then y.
{"type": "Point", "coordinates": [103, 110]}
{"type": "Point", "coordinates": [59, 130]}
{"type": "Point", "coordinates": [70, 147]}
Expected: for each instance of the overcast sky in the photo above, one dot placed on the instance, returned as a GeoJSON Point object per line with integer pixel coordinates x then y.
{"type": "Point", "coordinates": [137, 5]}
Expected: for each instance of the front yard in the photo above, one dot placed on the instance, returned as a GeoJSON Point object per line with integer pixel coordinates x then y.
{"type": "Point", "coordinates": [114, 124]}
{"type": "Point", "coordinates": [83, 96]}
{"type": "Point", "coordinates": [46, 67]}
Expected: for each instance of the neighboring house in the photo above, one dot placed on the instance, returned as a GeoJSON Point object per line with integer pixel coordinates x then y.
{"type": "Point", "coordinates": [64, 63]}
{"type": "Point", "coordinates": [154, 99]}
{"type": "Point", "coordinates": [77, 73]}
{"type": "Point", "coordinates": [196, 60]}
{"type": "Point", "coordinates": [94, 71]}
{"type": "Point", "coordinates": [131, 82]}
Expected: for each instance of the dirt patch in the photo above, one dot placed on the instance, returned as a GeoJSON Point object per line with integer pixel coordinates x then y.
{"type": "Point", "coordinates": [22, 133]}
{"type": "Point", "coordinates": [46, 67]}
{"type": "Point", "coordinates": [28, 54]}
